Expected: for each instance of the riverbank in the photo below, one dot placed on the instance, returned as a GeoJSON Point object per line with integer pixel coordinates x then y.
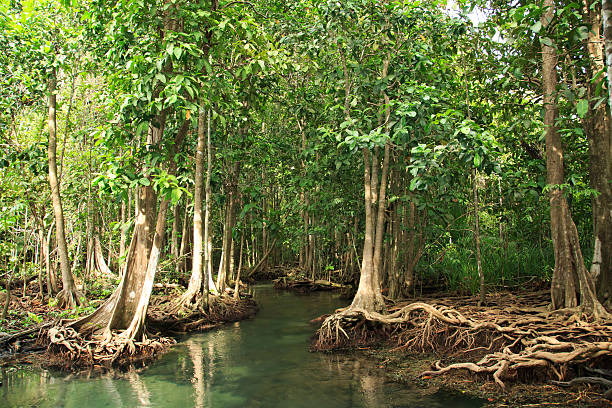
{"type": "Point", "coordinates": [260, 362]}
{"type": "Point", "coordinates": [40, 334]}
{"type": "Point", "coordinates": [406, 368]}
{"type": "Point", "coordinates": [509, 352]}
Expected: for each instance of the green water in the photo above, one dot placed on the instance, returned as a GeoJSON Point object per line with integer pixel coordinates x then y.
{"type": "Point", "coordinates": [262, 362]}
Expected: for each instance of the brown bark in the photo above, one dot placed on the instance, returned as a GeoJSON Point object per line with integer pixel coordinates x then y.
{"type": "Point", "coordinates": [125, 311]}
{"type": "Point", "coordinates": [68, 297]}
{"type": "Point", "coordinates": [368, 296]}
{"type": "Point", "coordinates": [380, 219]}
{"type": "Point", "coordinates": [195, 281]}
{"type": "Point", "coordinates": [603, 147]}
{"type": "Point", "coordinates": [571, 283]}
{"type": "Point", "coordinates": [382, 194]}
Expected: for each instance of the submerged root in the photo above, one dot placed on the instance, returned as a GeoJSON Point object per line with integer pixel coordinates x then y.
{"type": "Point", "coordinates": [505, 342]}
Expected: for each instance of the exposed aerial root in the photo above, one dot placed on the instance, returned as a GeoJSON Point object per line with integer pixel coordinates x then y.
{"type": "Point", "coordinates": [69, 350]}
{"type": "Point", "coordinates": [193, 317]}
{"type": "Point", "coordinates": [506, 342]}
{"type": "Point", "coordinates": [68, 299]}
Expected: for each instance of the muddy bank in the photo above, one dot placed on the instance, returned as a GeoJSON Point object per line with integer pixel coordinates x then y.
{"type": "Point", "coordinates": [52, 343]}
{"type": "Point", "coordinates": [406, 368]}
{"type": "Point", "coordinates": [511, 351]}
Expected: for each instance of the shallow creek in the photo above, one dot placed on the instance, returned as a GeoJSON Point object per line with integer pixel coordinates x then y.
{"type": "Point", "coordinates": [263, 362]}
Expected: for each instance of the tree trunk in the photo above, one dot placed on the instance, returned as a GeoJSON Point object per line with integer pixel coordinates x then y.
{"type": "Point", "coordinates": [368, 294]}
{"type": "Point", "coordinates": [125, 311]}
{"type": "Point", "coordinates": [237, 285]}
{"type": "Point", "coordinates": [209, 285]}
{"type": "Point", "coordinates": [68, 297]}
{"type": "Point", "coordinates": [224, 249]}
{"type": "Point", "coordinates": [482, 300]}
{"type": "Point", "coordinates": [122, 239]}
{"type": "Point", "coordinates": [195, 282]}
{"type": "Point", "coordinates": [181, 263]}
{"type": "Point", "coordinates": [174, 244]}
{"type": "Point", "coordinates": [603, 146]}
{"type": "Point", "coordinates": [52, 288]}
{"type": "Point", "coordinates": [380, 220]}
{"type": "Point", "coordinates": [570, 277]}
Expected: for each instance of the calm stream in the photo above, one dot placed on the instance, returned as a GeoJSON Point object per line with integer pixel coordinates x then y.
{"type": "Point", "coordinates": [262, 362]}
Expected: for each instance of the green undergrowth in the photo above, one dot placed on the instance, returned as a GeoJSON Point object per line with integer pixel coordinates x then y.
{"type": "Point", "coordinates": [508, 266]}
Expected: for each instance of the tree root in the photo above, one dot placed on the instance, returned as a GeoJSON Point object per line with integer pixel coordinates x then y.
{"type": "Point", "coordinates": [505, 341]}
{"type": "Point", "coordinates": [68, 299]}
{"type": "Point", "coordinates": [74, 351]}
{"type": "Point", "coordinates": [67, 349]}
{"type": "Point", "coordinates": [606, 384]}
{"type": "Point", "coordinates": [192, 317]}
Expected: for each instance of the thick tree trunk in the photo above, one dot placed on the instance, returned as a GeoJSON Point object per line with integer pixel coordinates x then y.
{"type": "Point", "coordinates": [68, 297]}
{"type": "Point", "coordinates": [380, 219]}
{"type": "Point", "coordinates": [603, 146]}
{"type": "Point", "coordinates": [571, 282]}
{"type": "Point", "coordinates": [195, 282]}
{"type": "Point", "coordinates": [125, 311]}
{"type": "Point", "coordinates": [368, 294]}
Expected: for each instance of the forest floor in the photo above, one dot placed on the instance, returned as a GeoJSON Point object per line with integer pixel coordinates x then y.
{"type": "Point", "coordinates": [23, 333]}
{"type": "Point", "coordinates": [415, 346]}
{"type": "Point", "coordinates": [406, 367]}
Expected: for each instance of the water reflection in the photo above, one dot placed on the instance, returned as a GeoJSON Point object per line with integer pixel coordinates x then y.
{"type": "Point", "coordinates": [139, 389]}
{"type": "Point", "coordinates": [196, 354]}
{"type": "Point", "coordinates": [258, 363]}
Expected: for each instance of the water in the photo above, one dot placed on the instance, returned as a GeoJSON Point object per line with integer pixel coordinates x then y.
{"type": "Point", "coordinates": [262, 362]}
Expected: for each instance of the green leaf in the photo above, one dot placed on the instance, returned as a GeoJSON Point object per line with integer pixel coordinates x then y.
{"type": "Point", "coordinates": [477, 160]}
{"type": "Point", "coordinates": [413, 184]}
{"type": "Point", "coordinates": [536, 27]}
{"type": "Point", "coordinates": [145, 181]}
{"type": "Point", "coordinates": [176, 195]}
{"type": "Point", "coordinates": [582, 107]}
{"type": "Point", "coordinates": [546, 41]}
